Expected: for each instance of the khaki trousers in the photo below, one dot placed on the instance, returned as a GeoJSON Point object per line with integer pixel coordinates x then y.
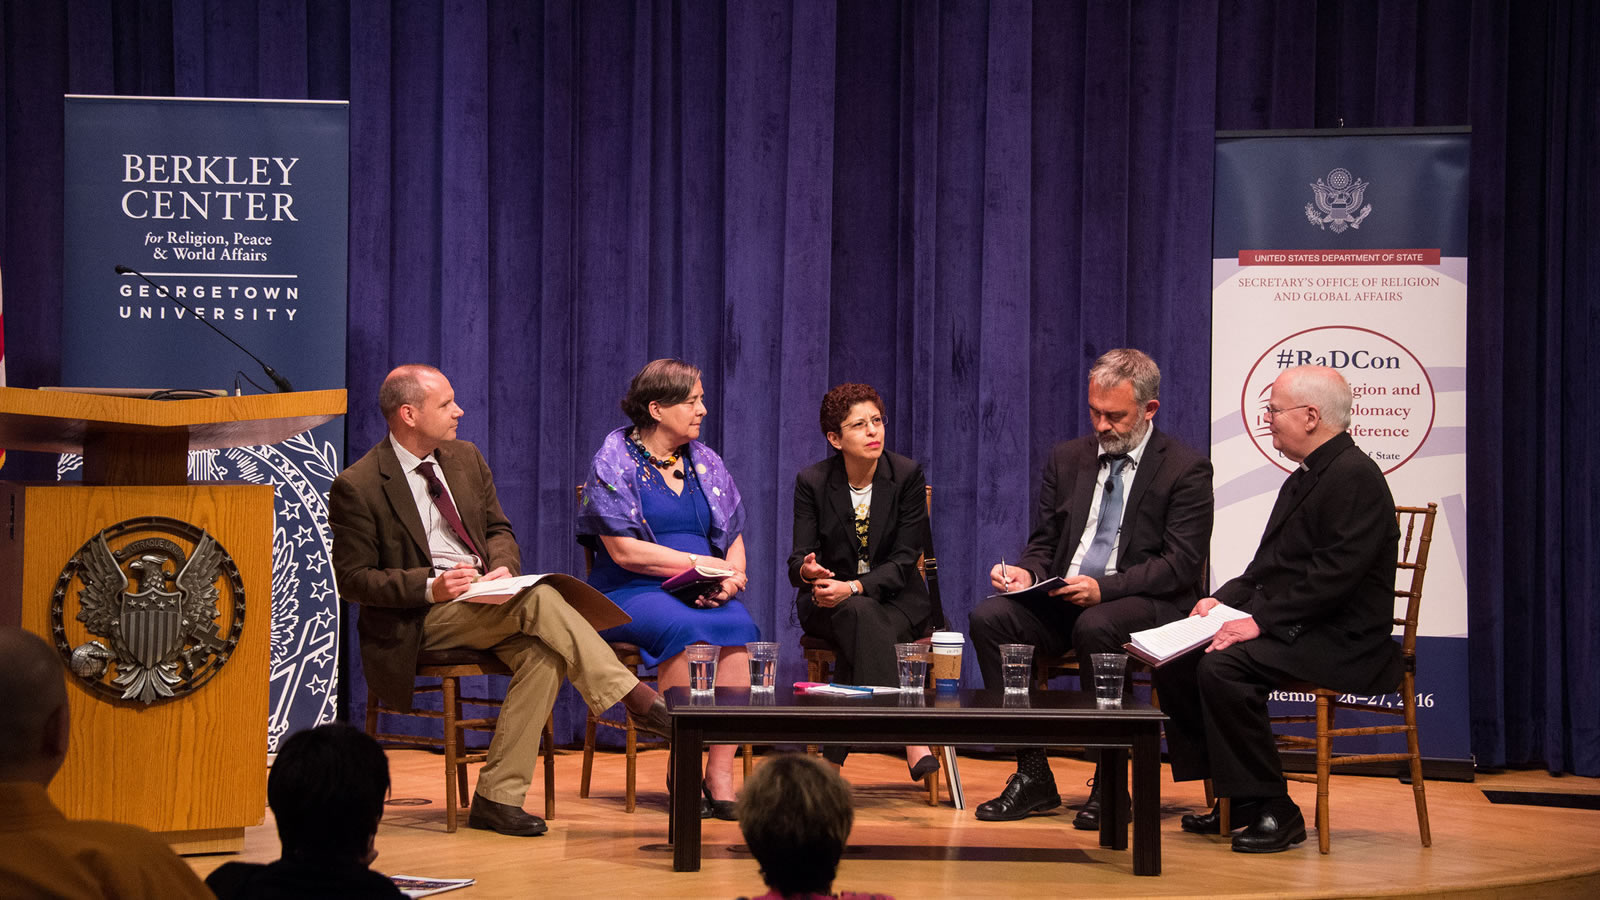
{"type": "Point", "coordinates": [542, 640]}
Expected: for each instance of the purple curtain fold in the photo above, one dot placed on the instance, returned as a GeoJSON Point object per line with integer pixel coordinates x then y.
{"type": "Point", "coordinates": [962, 203]}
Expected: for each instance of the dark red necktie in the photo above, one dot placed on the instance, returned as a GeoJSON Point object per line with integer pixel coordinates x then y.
{"type": "Point", "coordinates": [447, 507]}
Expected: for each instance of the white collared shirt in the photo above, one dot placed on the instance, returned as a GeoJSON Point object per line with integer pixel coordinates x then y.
{"type": "Point", "coordinates": [444, 547]}
{"type": "Point", "coordinates": [1089, 527]}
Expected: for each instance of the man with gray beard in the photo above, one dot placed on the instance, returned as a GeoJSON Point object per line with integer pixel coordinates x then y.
{"type": "Point", "coordinates": [1124, 517]}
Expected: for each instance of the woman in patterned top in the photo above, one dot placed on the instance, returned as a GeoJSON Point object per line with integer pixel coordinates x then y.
{"type": "Point", "coordinates": [656, 502]}
{"type": "Point", "coordinates": [860, 522]}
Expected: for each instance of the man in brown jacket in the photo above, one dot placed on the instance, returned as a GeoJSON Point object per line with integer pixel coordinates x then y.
{"type": "Point", "coordinates": [415, 522]}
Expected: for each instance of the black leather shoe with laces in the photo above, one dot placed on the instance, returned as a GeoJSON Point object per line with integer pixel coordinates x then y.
{"type": "Point", "coordinates": [1023, 795]}
{"type": "Point", "coordinates": [1088, 817]}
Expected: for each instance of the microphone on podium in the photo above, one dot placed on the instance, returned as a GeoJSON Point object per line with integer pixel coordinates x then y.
{"type": "Point", "coordinates": [282, 383]}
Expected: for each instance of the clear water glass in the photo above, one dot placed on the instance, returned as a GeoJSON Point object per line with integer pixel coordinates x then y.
{"type": "Point", "coordinates": [1016, 665]}
{"type": "Point", "coordinates": [702, 668]}
{"type": "Point", "coordinates": [912, 661]}
{"type": "Point", "coordinates": [1109, 670]}
{"type": "Point", "coordinates": [763, 665]}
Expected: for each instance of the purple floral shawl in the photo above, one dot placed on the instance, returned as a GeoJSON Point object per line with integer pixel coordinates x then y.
{"type": "Point", "coordinates": [611, 495]}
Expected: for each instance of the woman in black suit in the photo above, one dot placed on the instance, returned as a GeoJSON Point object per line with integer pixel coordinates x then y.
{"type": "Point", "coordinates": [860, 522]}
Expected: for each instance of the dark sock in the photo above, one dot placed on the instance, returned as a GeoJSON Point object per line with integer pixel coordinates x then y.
{"type": "Point", "coordinates": [638, 700]}
{"type": "Point", "coordinates": [1034, 764]}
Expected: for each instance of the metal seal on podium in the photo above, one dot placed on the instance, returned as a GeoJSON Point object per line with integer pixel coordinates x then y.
{"type": "Point", "coordinates": [154, 588]}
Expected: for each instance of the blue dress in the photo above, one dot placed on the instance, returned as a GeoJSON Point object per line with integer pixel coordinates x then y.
{"type": "Point", "coordinates": [662, 624]}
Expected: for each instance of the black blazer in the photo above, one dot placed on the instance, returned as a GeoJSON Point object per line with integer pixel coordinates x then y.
{"type": "Point", "coordinates": [1321, 585]}
{"type": "Point", "coordinates": [824, 523]}
{"type": "Point", "coordinates": [1166, 520]}
{"type": "Point", "coordinates": [381, 558]}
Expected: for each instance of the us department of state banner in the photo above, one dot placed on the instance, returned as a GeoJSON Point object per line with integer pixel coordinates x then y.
{"type": "Point", "coordinates": [1349, 250]}
{"type": "Point", "coordinates": [239, 209]}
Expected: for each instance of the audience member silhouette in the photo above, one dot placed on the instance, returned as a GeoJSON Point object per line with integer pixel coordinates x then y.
{"type": "Point", "coordinates": [326, 791]}
{"type": "Point", "coordinates": [42, 852]}
{"type": "Point", "coordinates": [795, 814]}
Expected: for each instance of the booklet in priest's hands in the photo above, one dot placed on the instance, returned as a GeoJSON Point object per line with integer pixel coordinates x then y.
{"type": "Point", "coordinates": [1158, 646]}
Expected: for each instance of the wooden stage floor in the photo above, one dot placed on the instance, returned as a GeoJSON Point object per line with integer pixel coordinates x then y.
{"type": "Point", "coordinates": [903, 847]}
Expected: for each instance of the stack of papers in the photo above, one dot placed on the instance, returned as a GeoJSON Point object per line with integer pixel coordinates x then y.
{"type": "Point", "coordinates": [1160, 645]}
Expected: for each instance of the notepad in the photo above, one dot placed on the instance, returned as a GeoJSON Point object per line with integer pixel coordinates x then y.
{"type": "Point", "coordinates": [595, 607]}
{"type": "Point", "coordinates": [1033, 592]}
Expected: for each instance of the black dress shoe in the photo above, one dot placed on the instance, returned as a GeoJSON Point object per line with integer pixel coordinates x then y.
{"type": "Point", "coordinates": [1023, 795]}
{"type": "Point", "coordinates": [655, 720]}
{"type": "Point", "coordinates": [1088, 818]}
{"type": "Point", "coordinates": [925, 766]}
{"type": "Point", "coordinates": [712, 808]}
{"type": "Point", "coordinates": [1277, 827]}
{"type": "Point", "coordinates": [504, 818]}
{"type": "Point", "coordinates": [1240, 814]}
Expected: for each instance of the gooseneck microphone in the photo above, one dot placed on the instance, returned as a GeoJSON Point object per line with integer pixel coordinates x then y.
{"type": "Point", "coordinates": [282, 383]}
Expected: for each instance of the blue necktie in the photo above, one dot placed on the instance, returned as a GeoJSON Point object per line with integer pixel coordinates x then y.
{"type": "Point", "coordinates": [1105, 532]}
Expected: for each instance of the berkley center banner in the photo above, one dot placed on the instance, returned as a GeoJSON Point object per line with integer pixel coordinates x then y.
{"type": "Point", "coordinates": [1349, 250]}
{"type": "Point", "coordinates": [239, 209]}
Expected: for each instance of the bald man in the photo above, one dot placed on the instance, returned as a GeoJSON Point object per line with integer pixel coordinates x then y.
{"type": "Point", "coordinates": [415, 522]}
{"type": "Point", "coordinates": [1320, 594]}
{"type": "Point", "coordinates": [42, 852]}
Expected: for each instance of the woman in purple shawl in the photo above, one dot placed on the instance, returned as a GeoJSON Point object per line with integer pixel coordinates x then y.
{"type": "Point", "coordinates": [658, 502]}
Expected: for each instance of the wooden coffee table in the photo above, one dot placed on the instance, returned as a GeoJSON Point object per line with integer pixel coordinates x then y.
{"type": "Point", "coordinates": [971, 718]}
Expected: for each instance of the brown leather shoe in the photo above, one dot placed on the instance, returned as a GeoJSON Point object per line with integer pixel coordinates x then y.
{"type": "Point", "coordinates": [656, 720]}
{"type": "Point", "coordinates": [504, 818]}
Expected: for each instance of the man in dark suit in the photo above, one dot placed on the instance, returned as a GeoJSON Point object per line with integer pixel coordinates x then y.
{"type": "Point", "coordinates": [1125, 518]}
{"type": "Point", "coordinates": [415, 522]}
{"type": "Point", "coordinates": [1320, 593]}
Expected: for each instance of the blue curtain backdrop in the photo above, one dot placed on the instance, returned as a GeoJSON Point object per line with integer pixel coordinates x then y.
{"type": "Point", "coordinates": [962, 203]}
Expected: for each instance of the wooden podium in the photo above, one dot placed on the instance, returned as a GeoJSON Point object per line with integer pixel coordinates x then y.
{"type": "Point", "coordinates": [193, 766]}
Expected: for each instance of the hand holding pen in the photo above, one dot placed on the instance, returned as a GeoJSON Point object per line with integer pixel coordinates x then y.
{"type": "Point", "coordinates": [1004, 578]}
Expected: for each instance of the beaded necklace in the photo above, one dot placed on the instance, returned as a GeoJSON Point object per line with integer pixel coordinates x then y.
{"type": "Point", "coordinates": [662, 464]}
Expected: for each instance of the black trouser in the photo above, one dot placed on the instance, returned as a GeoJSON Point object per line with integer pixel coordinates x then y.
{"type": "Point", "coordinates": [1217, 728]}
{"type": "Point", "coordinates": [863, 632]}
{"type": "Point", "coordinates": [1053, 625]}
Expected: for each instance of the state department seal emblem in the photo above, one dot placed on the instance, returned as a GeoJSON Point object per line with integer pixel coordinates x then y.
{"type": "Point", "coordinates": [1336, 201]}
{"type": "Point", "coordinates": [153, 590]}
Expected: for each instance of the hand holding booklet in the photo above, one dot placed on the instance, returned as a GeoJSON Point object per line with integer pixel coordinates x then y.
{"type": "Point", "coordinates": [694, 581]}
{"type": "Point", "coordinates": [1158, 646]}
{"type": "Point", "coordinates": [1033, 592]}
